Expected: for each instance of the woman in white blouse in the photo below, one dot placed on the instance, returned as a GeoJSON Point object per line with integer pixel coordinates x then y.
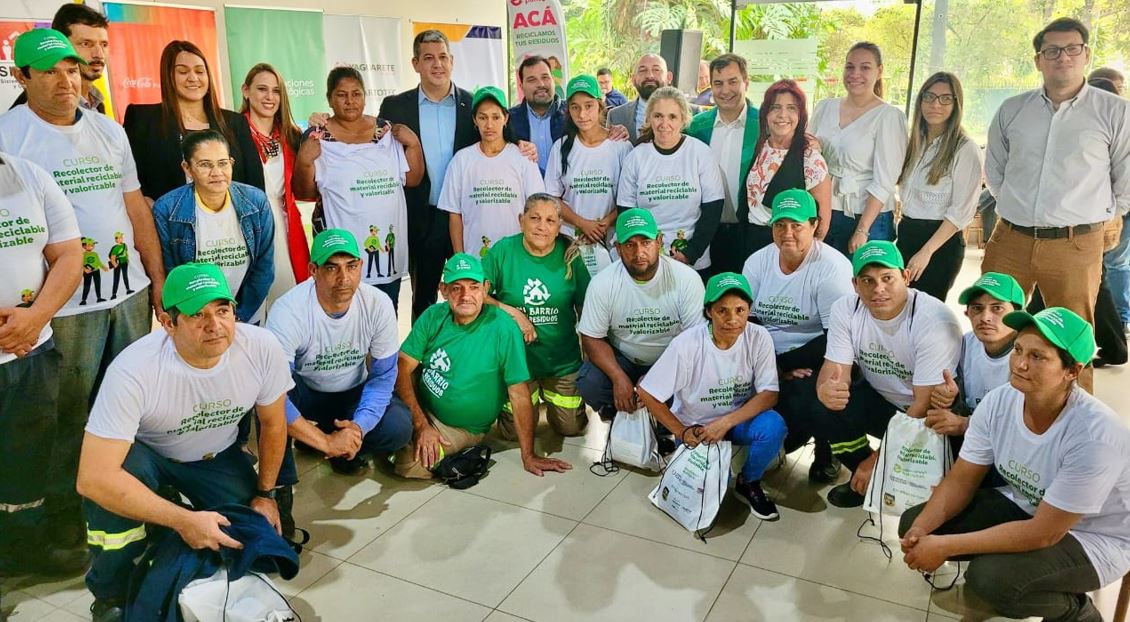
{"type": "Point", "coordinates": [786, 156]}
{"type": "Point", "coordinates": [939, 186]}
{"type": "Point", "coordinates": [863, 140]}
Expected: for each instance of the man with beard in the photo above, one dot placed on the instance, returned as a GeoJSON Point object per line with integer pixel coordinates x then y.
{"type": "Point", "coordinates": [632, 311]}
{"type": "Point", "coordinates": [87, 30]}
{"type": "Point", "coordinates": [651, 73]}
{"type": "Point", "coordinates": [540, 118]}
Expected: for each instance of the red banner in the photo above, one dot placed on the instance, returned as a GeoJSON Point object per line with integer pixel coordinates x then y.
{"type": "Point", "coordinates": [138, 33]}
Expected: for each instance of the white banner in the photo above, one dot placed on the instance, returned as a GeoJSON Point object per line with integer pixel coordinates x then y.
{"type": "Point", "coordinates": [537, 27]}
{"type": "Point", "coordinates": [370, 45]}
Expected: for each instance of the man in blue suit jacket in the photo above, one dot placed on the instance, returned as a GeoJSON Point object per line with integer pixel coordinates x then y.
{"type": "Point", "coordinates": [540, 118]}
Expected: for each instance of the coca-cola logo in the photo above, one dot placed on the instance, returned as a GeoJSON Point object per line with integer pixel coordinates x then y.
{"type": "Point", "coordinates": [140, 82]}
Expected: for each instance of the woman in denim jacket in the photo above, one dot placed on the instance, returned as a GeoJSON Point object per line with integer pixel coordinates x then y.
{"type": "Point", "coordinates": [215, 220]}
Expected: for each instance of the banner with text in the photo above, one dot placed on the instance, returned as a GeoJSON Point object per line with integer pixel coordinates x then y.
{"type": "Point", "coordinates": [9, 30]}
{"type": "Point", "coordinates": [142, 32]}
{"type": "Point", "coordinates": [253, 37]}
{"type": "Point", "coordinates": [478, 51]}
{"type": "Point", "coordinates": [537, 27]}
{"type": "Point", "coordinates": [370, 45]}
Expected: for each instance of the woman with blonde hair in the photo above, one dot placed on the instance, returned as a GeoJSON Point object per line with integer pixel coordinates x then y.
{"type": "Point", "coordinates": [939, 185]}
{"type": "Point", "coordinates": [266, 107]}
{"type": "Point", "coordinates": [676, 178]}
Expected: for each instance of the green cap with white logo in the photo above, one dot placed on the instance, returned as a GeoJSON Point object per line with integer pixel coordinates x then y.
{"type": "Point", "coordinates": [636, 221]}
{"type": "Point", "coordinates": [191, 286]}
{"type": "Point", "coordinates": [996, 284]}
{"type": "Point", "coordinates": [879, 252]}
{"type": "Point", "coordinates": [331, 242]}
{"type": "Point", "coordinates": [723, 282]}
{"type": "Point", "coordinates": [488, 92]}
{"type": "Point", "coordinates": [583, 83]}
{"type": "Point", "coordinates": [795, 204]}
{"type": "Point", "coordinates": [1062, 327]}
{"type": "Point", "coordinates": [463, 266]}
{"type": "Point", "coordinates": [43, 48]}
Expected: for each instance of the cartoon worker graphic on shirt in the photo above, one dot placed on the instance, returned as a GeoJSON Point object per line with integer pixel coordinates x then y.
{"type": "Point", "coordinates": [91, 264]}
{"type": "Point", "coordinates": [485, 248]}
{"type": "Point", "coordinates": [679, 244]}
{"type": "Point", "coordinates": [390, 248]}
{"type": "Point", "coordinates": [119, 262]}
{"type": "Point", "coordinates": [373, 250]}
{"type": "Point", "coordinates": [27, 297]}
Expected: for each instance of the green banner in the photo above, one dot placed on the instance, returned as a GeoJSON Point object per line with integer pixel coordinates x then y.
{"type": "Point", "coordinates": [291, 41]}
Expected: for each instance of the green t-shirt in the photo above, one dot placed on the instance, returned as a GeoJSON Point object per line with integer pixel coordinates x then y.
{"type": "Point", "coordinates": [91, 260]}
{"type": "Point", "coordinates": [120, 253]}
{"type": "Point", "coordinates": [372, 244]}
{"type": "Point", "coordinates": [465, 369]}
{"type": "Point", "coordinates": [537, 286]}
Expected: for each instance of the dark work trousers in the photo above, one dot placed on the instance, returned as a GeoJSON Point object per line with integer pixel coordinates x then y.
{"type": "Point", "coordinates": [939, 276]}
{"type": "Point", "coordinates": [428, 249]}
{"type": "Point", "coordinates": [595, 386]}
{"type": "Point", "coordinates": [867, 412]}
{"type": "Point", "coordinates": [801, 411]}
{"type": "Point", "coordinates": [1049, 583]}
{"type": "Point", "coordinates": [728, 250]}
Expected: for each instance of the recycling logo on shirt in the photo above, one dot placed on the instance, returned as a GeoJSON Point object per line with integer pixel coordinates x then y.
{"type": "Point", "coordinates": [535, 292]}
{"type": "Point", "coordinates": [439, 360]}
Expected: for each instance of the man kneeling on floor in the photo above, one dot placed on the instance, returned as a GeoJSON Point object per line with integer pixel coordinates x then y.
{"type": "Point", "coordinates": [901, 339]}
{"type": "Point", "coordinates": [167, 415]}
{"type": "Point", "coordinates": [473, 360]}
{"type": "Point", "coordinates": [341, 340]}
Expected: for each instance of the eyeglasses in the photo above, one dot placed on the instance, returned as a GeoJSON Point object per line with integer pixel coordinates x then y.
{"type": "Point", "coordinates": [945, 100]}
{"type": "Point", "coordinates": [208, 165]}
{"type": "Point", "coordinates": [1053, 52]}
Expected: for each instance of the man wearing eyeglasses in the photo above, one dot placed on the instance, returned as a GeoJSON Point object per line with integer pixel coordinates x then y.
{"type": "Point", "coordinates": [1058, 163]}
{"type": "Point", "coordinates": [88, 156]}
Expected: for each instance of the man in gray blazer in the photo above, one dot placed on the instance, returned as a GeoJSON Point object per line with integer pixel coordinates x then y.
{"type": "Point", "coordinates": [650, 74]}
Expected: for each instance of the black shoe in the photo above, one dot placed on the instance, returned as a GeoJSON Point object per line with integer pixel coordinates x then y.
{"type": "Point", "coordinates": [107, 611]}
{"type": "Point", "coordinates": [843, 496]}
{"type": "Point", "coordinates": [825, 468]}
{"type": "Point", "coordinates": [101, 300]}
{"type": "Point", "coordinates": [346, 466]}
{"type": "Point", "coordinates": [759, 503]}
{"type": "Point", "coordinates": [666, 445]}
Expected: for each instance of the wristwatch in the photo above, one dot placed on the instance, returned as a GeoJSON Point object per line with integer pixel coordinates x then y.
{"type": "Point", "coordinates": [266, 494]}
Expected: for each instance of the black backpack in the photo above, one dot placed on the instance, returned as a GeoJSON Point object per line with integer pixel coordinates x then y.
{"type": "Point", "coordinates": [464, 468]}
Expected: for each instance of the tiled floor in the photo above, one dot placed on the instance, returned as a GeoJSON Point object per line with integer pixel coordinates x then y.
{"type": "Point", "coordinates": [578, 547]}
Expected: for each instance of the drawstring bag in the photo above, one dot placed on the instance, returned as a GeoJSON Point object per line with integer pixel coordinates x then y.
{"type": "Point", "coordinates": [464, 468]}
{"type": "Point", "coordinates": [251, 598]}
{"type": "Point", "coordinates": [912, 460]}
{"type": "Point", "coordinates": [692, 487]}
{"type": "Point", "coordinates": [631, 441]}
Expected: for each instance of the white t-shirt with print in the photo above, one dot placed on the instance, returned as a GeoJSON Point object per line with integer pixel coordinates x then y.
{"type": "Point", "coordinates": [33, 214]}
{"type": "Point", "coordinates": [640, 319]}
{"type": "Point", "coordinates": [220, 241]}
{"type": "Point", "coordinates": [489, 193]}
{"type": "Point", "coordinates": [1081, 465]}
{"type": "Point", "coordinates": [910, 350]}
{"type": "Point", "coordinates": [152, 396]}
{"type": "Point", "coordinates": [708, 382]}
{"type": "Point", "coordinates": [329, 353]}
{"type": "Point", "coordinates": [979, 372]}
{"type": "Point", "coordinates": [362, 190]}
{"type": "Point", "coordinates": [673, 187]}
{"type": "Point", "coordinates": [795, 308]}
{"type": "Point", "coordinates": [92, 163]}
{"type": "Point", "coordinates": [590, 181]}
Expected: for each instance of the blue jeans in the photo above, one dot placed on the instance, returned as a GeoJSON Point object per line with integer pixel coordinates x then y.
{"type": "Point", "coordinates": [117, 541]}
{"type": "Point", "coordinates": [1116, 262]}
{"type": "Point", "coordinates": [764, 435]}
{"type": "Point", "coordinates": [392, 432]}
{"type": "Point", "coordinates": [595, 386]}
{"type": "Point", "coordinates": [842, 227]}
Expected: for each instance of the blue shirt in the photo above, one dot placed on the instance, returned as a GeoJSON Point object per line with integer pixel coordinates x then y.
{"type": "Point", "coordinates": [641, 110]}
{"type": "Point", "coordinates": [437, 136]}
{"type": "Point", "coordinates": [540, 135]}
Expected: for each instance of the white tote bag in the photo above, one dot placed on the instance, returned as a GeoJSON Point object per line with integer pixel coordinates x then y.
{"type": "Point", "coordinates": [251, 598]}
{"type": "Point", "coordinates": [631, 441]}
{"type": "Point", "coordinates": [693, 485]}
{"type": "Point", "coordinates": [912, 460]}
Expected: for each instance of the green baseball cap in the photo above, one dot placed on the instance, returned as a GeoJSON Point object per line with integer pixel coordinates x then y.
{"type": "Point", "coordinates": [86, 241]}
{"type": "Point", "coordinates": [1063, 327]}
{"type": "Point", "coordinates": [996, 284]}
{"type": "Point", "coordinates": [583, 83]}
{"type": "Point", "coordinates": [723, 282]}
{"type": "Point", "coordinates": [191, 286]}
{"type": "Point", "coordinates": [881, 252]}
{"type": "Point", "coordinates": [488, 92]}
{"type": "Point", "coordinates": [795, 204]}
{"type": "Point", "coordinates": [42, 48]}
{"type": "Point", "coordinates": [331, 242]}
{"type": "Point", "coordinates": [463, 266]}
{"type": "Point", "coordinates": [636, 221]}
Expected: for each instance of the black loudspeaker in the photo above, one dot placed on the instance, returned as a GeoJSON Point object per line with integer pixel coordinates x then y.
{"type": "Point", "coordinates": [682, 49]}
